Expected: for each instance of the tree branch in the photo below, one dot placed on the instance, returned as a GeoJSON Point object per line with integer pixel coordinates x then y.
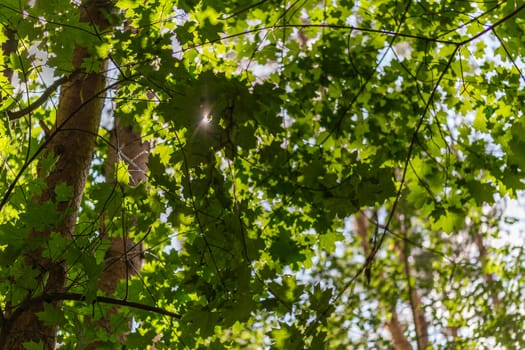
{"type": "Point", "coordinates": [106, 300]}
{"type": "Point", "coordinates": [13, 115]}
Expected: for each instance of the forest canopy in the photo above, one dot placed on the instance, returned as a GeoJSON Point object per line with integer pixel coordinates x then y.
{"type": "Point", "coordinates": [261, 174]}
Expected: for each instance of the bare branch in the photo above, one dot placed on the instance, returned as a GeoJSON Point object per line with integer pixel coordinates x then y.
{"type": "Point", "coordinates": [13, 115]}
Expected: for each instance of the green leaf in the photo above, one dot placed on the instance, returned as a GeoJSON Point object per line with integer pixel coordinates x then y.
{"type": "Point", "coordinates": [52, 315]}
{"type": "Point", "coordinates": [33, 346]}
{"type": "Point", "coordinates": [122, 174]}
{"type": "Point", "coordinates": [63, 192]}
{"type": "Point", "coordinates": [285, 249]}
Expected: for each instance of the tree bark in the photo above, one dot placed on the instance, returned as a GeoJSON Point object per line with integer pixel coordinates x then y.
{"type": "Point", "coordinates": [73, 141]}
{"type": "Point", "coordinates": [399, 340]}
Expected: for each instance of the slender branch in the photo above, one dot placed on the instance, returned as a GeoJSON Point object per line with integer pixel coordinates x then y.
{"type": "Point", "coordinates": [13, 115]}
{"type": "Point", "coordinates": [472, 20]}
{"type": "Point", "coordinates": [313, 25]}
{"type": "Point", "coordinates": [492, 27]}
{"type": "Point", "coordinates": [106, 300]}
{"type": "Point", "coordinates": [409, 156]}
{"type": "Point", "coordinates": [508, 54]}
{"type": "Point", "coordinates": [247, 8]}
{"type": "Point", "coordinates": [58, 24]}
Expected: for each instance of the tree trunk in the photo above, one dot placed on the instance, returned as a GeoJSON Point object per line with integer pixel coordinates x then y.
{"type": "Point", "coordinates": [399, 340]}
{"type": "Point", "coordinates": [73, 141]}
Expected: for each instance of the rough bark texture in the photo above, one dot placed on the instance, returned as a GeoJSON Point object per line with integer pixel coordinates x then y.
{"type": "Point", "coordinates": [394, 326]}
{"type": "Point", "coordinates": [73, 142]}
